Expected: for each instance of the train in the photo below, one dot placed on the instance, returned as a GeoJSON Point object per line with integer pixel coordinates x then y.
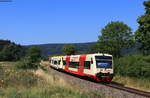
{"type": "Point", "coordinates": [98, 66]}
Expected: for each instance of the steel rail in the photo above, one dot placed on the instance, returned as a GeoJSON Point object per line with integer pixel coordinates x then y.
{"type": "Point", "coordinates": [128, 89]}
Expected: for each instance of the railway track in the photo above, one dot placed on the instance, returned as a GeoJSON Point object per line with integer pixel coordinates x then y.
{"type": "Point", "coordinates": [138, 92]}
{"type": "Point", "coordinates": [112, 89]}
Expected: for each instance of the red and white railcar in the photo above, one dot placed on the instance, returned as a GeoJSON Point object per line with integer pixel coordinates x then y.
{"type": "Point", "coordinates": [97, 66]}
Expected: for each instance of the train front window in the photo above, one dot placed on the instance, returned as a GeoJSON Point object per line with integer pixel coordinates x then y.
{"type": "Point", "coordinates": [103, 61]}
{"type": "Point", "coordinates": [55, 62]}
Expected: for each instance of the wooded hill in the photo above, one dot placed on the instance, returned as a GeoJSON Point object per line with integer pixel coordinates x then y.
{"type": "Point", "coordinates": [56, 49]}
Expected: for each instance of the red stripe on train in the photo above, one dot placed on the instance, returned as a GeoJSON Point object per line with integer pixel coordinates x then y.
{"type": "Point", "coordinates": [67, 62]}
{"type": "Point", "coordinates": [81, 64]}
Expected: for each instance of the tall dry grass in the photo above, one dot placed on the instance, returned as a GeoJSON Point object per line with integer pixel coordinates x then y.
{"type": "Point", "coordinates": [137, 83]}
{"type": "Point", "coordinates": [17, 83]}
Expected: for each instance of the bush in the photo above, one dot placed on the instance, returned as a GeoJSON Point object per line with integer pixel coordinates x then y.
{"type": "Point", "coordinates": [34, 54]}
{"type": "Point", "coordinates": [31, 60]}
{"type": "Point", "coordinates": [25, 63]}
{"type": "Point", "coordinates": [135, 65]}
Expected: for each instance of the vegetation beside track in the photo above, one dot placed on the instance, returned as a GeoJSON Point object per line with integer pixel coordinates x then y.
{"type": "Point", "coordinates": [135, 65]}
{"type": "Point", "coordinates": [140, 83]}
{"type": "Point", "coordinates": [132, 82]}
{"type": "Point", "coordinates": [21, 83]}
{"type": "Point", "coordinates": [133, 71]}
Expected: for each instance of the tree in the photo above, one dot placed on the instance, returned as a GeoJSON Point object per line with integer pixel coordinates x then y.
{"type": "Point", "coordinates": [114, 37]}
{"type": "Point", "coordinates": [143, 32]}
{"type": "Point", "coordinates": [104, 47]}
{"type": "Point", "coordinates": [31, 60]}
{"type": "Point", "coordinates": [34, 54]}
{"type": "Point", "coordinates": [3, 43]}
{"type": "Point", "coordinates": [11, 52]}
{"type": "Point", "coordinates": [69, 49]}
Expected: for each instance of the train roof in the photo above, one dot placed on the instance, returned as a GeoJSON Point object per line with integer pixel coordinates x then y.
{"type": "Point", "coordinates": [104, 54]}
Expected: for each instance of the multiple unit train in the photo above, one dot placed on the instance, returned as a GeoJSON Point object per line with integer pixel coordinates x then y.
{"type": "Point", "coordinates": [96, 66]}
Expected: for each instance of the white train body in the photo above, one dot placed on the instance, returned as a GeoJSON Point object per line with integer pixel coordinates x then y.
{"type": "Point", "coordinates": [97, 66]}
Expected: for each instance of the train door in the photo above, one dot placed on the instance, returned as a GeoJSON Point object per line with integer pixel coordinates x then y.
{"type": "Point", "coordinates": [88, 65]}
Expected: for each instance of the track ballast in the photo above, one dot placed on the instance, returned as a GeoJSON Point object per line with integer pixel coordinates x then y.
{"type": "Point", "coordinates": [109, 90]}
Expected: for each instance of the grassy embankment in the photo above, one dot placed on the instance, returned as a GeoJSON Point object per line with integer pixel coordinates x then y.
{"type": "Point", "coordinates": [133, 71]}
{"type": "Point", "coordinates": [17, 83]}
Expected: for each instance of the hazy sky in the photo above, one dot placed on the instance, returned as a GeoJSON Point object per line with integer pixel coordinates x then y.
{"type": "Point", "coordinates": [63, 21]}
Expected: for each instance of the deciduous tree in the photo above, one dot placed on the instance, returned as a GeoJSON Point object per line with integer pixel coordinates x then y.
{"type": "Point", "coordinates": [34, 54]}
{"type": "Point", "coordinates": [11, 52]}
{"type": "Point", "coordinates": [114, 37]}
{"type": "Point", "coordinates": [143, 32]}
{"type": "Point", "coordinates": [69, 49]}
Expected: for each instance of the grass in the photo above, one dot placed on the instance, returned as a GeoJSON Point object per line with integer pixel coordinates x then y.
{"type": "Point", "coordinates": [137, 83]}
{"type": "Point", "coordinates": [3, 64]}
{"type": "Point", "coordinates": [17, 83]}
{"type": "Point", "coordinates": [38, 92]}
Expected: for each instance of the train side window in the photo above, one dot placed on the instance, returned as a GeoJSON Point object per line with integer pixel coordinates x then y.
{"type": "Point", "coordinates": [87, 64]}
{"type": "Point", "coordinates": [64, 62]}
{"type": "Point", "coordinates": [55, 62]}
{"type": "Point", "coordinates": [74, 64]}
{"type": "Point", "coordinates": [59, 62]}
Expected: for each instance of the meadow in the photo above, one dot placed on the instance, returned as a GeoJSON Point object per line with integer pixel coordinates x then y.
{"type": "Point", "coordinates": [19, 83]}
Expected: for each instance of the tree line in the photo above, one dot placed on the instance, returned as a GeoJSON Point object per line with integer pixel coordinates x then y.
{"type": "Point", "coordinates": [25, 57]}
{"type": "Point", "coordinates": [9, 51]}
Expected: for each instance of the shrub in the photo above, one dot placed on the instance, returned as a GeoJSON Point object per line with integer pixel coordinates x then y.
{"type": "Point", "coordinates": [31, 60]}
{"type": "Point", "coordinates": [134, 65]}
{"type": "Point", "coordinates": [34, 54]}
{"type": "Point", "coordinates": [25, 63]}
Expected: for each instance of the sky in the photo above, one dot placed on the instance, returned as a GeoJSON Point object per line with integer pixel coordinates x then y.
{"type": "Point", "coordinates": [29, 22]}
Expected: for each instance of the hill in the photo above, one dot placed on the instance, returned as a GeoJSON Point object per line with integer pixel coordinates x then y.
{"type": "Point", "coordinates": [56, 49]}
